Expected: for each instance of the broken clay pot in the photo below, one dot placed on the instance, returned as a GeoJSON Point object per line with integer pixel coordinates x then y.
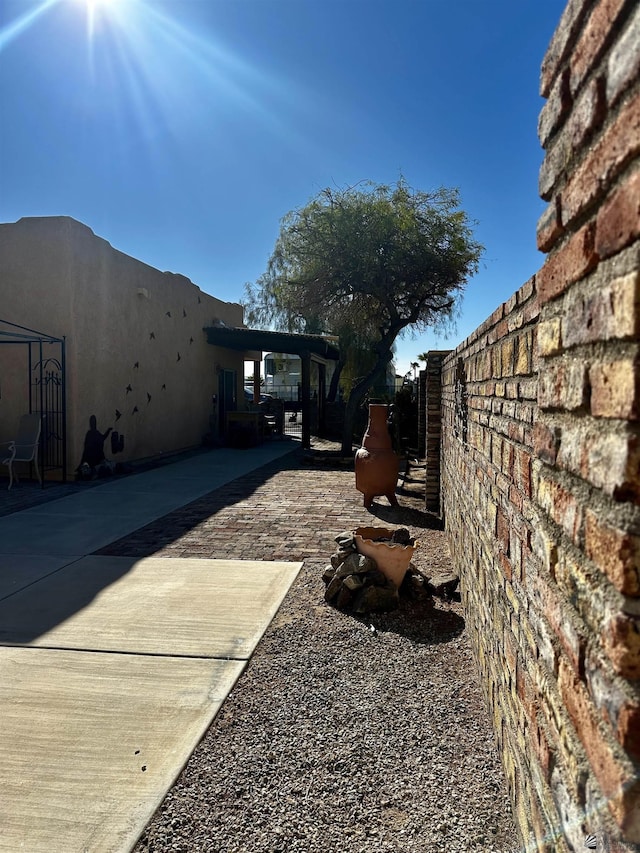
{"type": "Point", "coordinates": [392, 559]}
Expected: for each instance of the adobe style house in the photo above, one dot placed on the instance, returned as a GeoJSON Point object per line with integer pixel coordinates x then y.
{"type": "Point", "coordinates": [129, 340]}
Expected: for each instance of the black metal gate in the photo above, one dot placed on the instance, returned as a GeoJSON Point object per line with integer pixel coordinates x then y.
{"type": "Point", "coordinates": [45, 378]}
{"type": "Point", "coordinates": [47, 397]}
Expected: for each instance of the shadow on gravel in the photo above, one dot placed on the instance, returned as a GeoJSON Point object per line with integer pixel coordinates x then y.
{"type": "Point", "coordinates": [421, 622]}
{"type": "Point", "coordinates": [406, 515]}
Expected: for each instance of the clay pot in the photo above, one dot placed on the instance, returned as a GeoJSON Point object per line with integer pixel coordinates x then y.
{"type": "Point", "coordinates": [392, 559]}
{"type": "Point", "coordinates": [376, 464]}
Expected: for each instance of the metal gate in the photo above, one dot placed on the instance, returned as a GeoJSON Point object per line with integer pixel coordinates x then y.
{"type": "Point", "coordinates": [47, 396]}
{"type": "Point", "coordinates": [43, 357]}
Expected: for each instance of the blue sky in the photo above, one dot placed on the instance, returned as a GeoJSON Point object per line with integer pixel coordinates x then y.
{"type": "Point", "coordinates": [182, 131]}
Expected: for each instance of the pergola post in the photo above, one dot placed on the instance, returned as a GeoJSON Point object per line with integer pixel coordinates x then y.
{"type": "Point", "coordinates": [256, 382]}
{"type": "Point", "coordinates": [306, 399]}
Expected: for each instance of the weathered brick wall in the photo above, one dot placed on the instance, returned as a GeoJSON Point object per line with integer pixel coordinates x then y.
{"type": "Point", "coordinates": [541, 460]}
{"type": "Point", "coordinates": [433, 428]}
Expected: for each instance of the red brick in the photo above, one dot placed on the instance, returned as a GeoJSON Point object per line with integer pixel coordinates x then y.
{"type": "Point", "coordinates": [522, 471]}
{"type": "Point", "coordinates": [531, 311]}
{"type": "Point", "coordinates": [569, 263]}
{"type": "Point", "coordinates": [616, 776]}
{"type": "Point", "coordinates": [593, 39]}
{"type": "Point", "coordinates": [615, 389]}
{"type": "Point", "coordinates": [616, 147]}
{"type": "Point", "coordinates": [505, 565]}
{"type": "Point", "coordinates": [618, 222]}
{"type": "Point", "coordinates": [502, 529]}
{"type": "Point", "coordinates": [516, 432]}
{"type": "Point", "coordinates": [623, 64]}
{"type": "Point", "coordinates": [588, 113]}
{"type": "Point", "coordinates": [611, 311]}
{"type": "Point", "coordinates": [628, 729]}
{"type": "Point", "coordinates": [622, 644]}
{"type": "Point", "coordinates": [563, 384]}
{"type": "Point", "coordinates": [546, 441]}
{"type": "Point", "coordinates": [556, 108]}
{"type": "Point", "coordinates": [544, 753]}
{"type": "Point", "coordinates": [586, 117]}
{"type": "Point", "coordinates": [550, 227]}
{"type": "Point", "coordinates": [557, 160]}
{"type": "Point", "coordinates": [561, 506]}
{"type": "Point", "coordinates": [608, 459]}
{"type": "Point", "coordinates": [561, 43]}
{"type": "Point", "coordinates": [616, 552]}
{"type": "Point", "coordinates": [527, 290]}
{"type": "Point", "coordinates": [516, 498]}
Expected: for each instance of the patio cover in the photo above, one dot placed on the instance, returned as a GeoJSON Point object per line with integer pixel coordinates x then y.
{"type": "Point", "coordinates": [240, 338]}
{"type": "Point", "coordinates": [308, 347]}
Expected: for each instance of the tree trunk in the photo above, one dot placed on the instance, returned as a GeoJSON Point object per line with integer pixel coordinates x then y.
{"type": "Point", "coordinates": [332, 393]}
{"type": "Point", "coordinates": [357, 395]}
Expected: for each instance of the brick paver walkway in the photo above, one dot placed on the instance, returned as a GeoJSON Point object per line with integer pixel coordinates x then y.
{"type": "Point", "coordinates": [290, 509]}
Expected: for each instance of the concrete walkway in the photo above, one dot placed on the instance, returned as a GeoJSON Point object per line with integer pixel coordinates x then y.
{"type": "Point", "coordinates": [112, 667]}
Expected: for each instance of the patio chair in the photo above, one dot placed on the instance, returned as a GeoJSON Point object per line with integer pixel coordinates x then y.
{"type": "Point", "coordinates": [24, 448]}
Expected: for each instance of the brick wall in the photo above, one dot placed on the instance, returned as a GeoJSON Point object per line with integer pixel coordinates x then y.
{"type": "Point", "coordinates": [540, 460]}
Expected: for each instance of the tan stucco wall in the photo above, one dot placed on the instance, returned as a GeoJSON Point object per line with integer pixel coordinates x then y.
{"type": "Point", "coordinates": [125, 324]}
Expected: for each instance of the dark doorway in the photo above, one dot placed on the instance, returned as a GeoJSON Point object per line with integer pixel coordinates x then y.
{"type": "Point", "coordinates": [227, 395]}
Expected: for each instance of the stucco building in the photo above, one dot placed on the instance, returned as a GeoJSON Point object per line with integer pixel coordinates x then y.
{"type": "Point", "coordinates": [135, 352]}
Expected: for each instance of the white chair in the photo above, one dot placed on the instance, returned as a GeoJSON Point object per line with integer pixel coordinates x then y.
{"type": "Point", "coordinates": [24, 448]}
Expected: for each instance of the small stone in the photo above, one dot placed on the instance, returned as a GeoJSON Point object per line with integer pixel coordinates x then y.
{"type": "Point", "coordinates": [353, 582]}
{"type": "Point", "coordinates": [346, 540]}
{"type": "Point", "coordinates": [356, 564]}
{"type": "Point", "coordinates": [340, 556]}
{"type": "Point", "coordinates": [376, 599]}
{"type": "Point", "coordinates": [328, 574]}
{"type": "Point", "coordinates": [401, 536]}
{"type": "Point", "coordinates": [344, 598]}
{"type": "Point", "coordinates": [333, 589]}
{"type": "Point", "coordinates": [444, 584]}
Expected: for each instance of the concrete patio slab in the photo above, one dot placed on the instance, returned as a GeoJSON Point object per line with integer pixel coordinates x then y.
{"type": "Point", "coordinates": [91, 742]}
{"type": "Point", "coordinates": [161, 606]}
{"type": "Point", "coordinates": [19, 571]}
{"type": "Point", "coordinates": [112, 668]}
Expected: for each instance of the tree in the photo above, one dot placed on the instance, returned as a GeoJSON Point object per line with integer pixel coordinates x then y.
{"type": "Point", "coordinates": [372, 259]}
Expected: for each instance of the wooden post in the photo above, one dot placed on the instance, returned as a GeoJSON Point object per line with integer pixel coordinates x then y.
{"type": "Point", "coordinates": [306, 399]}
{"type": "Point", "coordinates": [256, 382]}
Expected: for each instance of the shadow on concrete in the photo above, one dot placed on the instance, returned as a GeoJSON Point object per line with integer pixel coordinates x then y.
{"type": "Point", "coordinates": [55, 593]}
{"type": "Point", "coordinates": [46, 603]}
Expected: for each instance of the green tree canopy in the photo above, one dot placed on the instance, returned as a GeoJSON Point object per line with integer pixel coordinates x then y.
{"type": "Point", "coordinates": [369, 260]}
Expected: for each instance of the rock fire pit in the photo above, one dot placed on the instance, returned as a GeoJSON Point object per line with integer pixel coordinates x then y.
{"type": "Point", "coordinates": [357, 581]}
{"type": "Point", "coordinates": [371, 569]}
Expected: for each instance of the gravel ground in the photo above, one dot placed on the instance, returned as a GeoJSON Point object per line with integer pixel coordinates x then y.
{"type": "Point", "coordinates": [342, 734]}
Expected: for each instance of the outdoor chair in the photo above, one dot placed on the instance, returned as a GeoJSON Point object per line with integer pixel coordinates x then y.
{"type": "Point", "coordinates": [24, 448]}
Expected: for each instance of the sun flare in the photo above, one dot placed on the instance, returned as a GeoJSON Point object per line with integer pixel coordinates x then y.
{"type": "Point", "coordinates": [95, 7]}
{"type": "Point", "coordinates": [94, 4]}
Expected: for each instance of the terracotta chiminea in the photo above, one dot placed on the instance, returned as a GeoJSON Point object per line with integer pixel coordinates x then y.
{"type": "Point", "coordinates": [376, 463]}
